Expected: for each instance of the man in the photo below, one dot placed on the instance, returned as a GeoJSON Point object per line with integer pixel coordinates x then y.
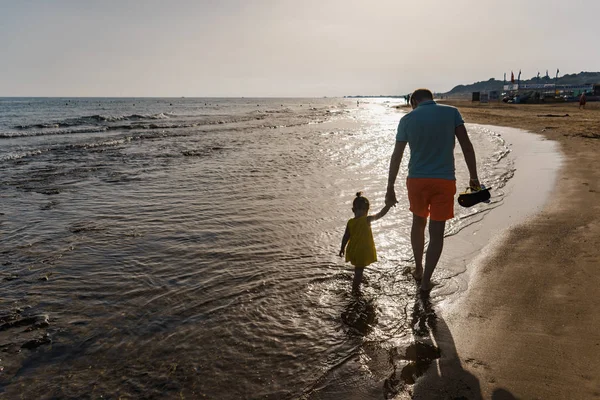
{"type": "Point", "coordinates": [430, 130]}
{"type": "Point", "coordinates": [582, 101]}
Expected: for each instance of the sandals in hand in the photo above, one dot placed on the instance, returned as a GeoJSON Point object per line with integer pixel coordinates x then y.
{"type": "Point", "coordinates": [470, 197]}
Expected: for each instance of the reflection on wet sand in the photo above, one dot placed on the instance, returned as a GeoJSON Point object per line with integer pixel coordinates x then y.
{"type": "Point", "coordinates": [446, 379]}
{"type": "Point", "coordinates": [449, 379]}
{"type": "Point", "coordinates": [428, 367]}
{"type": "Point", "coordinates": [359, 315]}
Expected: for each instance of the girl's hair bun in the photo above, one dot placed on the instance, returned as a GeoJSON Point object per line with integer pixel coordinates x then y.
{"type": "Point", "coordinates": [360, 202]}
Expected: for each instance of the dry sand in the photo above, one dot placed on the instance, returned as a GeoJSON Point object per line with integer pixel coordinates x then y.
{"type": "Point", "coordinates": [529, 325]}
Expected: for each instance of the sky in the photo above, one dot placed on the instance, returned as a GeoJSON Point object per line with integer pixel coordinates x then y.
{"type": "Point", "coordinates": [283, 48]}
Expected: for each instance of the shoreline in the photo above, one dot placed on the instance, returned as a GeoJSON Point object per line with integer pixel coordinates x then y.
{"type": "Point", "coordinates": [534, 158]}
{"type": "Point", "coordinates": [523, 328]}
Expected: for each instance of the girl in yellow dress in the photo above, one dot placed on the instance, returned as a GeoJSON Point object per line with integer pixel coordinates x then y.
{"type": "Point", "coordinates": [359, 238]}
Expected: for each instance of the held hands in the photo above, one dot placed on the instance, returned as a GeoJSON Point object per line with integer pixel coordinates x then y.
{"type": "Point", "coordinates": [390, 198]}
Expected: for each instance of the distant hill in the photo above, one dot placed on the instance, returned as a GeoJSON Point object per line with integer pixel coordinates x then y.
{"type": "Point", "coordinates": [582, 78]}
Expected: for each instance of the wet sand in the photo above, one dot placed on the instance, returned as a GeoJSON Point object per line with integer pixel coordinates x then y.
{"type": "Point", "coordinates": [527, 327]}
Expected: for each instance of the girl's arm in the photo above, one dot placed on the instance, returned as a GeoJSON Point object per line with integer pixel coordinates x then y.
{"type": "Point", "coordinates": [344, 242]}
{"type": "Point", "coordinates": [380, 214]}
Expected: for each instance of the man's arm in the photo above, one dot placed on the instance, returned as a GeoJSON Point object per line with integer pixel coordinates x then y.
{"type": "Point", "coordinates": [469, 153]}
{"type": "Point", "coordinates": [390, 196]}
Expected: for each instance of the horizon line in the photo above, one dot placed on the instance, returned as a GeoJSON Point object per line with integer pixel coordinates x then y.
{"type": "Point", "coordinates": [200, 97]}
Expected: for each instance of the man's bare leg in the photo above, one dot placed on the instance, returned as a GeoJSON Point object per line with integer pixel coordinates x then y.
{"type": "Point", "coordinates": [417, 240]}
{"type": "Point", "coordinates": [434, 251]}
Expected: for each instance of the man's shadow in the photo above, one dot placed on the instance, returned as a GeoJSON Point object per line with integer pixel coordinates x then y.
{"type": "Point", "coordinates": [432, 363]}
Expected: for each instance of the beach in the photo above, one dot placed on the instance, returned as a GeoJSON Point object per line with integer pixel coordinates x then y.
{"type": "Point", "coordinates": [196, 200]}
{"type": "Point", "coordinates": [527, 327]}
{"type": "Point", "coordinates": [188, 248]}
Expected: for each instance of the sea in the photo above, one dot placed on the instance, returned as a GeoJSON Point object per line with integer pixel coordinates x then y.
{"type": "Point", "coordinates": [163, 248]}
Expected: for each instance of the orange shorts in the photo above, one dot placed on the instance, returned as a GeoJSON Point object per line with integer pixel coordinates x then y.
{"type": "Point", "coordinates": [431, 196]}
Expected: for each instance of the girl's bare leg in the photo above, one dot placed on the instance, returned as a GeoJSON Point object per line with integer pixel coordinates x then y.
{"type": "Point", "coordinates": [358, 273]}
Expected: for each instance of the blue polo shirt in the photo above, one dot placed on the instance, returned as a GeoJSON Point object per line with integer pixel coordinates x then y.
{"type": "Point", "coordinates": [429, 131]}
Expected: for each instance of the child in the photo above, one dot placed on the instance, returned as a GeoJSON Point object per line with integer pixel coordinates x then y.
{"type": "Point", "coordinates": [361, 247]}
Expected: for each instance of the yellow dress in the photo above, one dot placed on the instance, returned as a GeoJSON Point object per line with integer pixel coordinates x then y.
{"type": "Point", "coordinates": [361, 246]}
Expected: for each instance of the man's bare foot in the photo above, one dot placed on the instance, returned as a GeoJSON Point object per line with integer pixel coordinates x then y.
{"type": "Point", "coordinates": [417, 273]}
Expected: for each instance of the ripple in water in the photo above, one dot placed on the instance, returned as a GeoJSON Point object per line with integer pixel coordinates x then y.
{"type": "Point", "coordinates": [196, 256]}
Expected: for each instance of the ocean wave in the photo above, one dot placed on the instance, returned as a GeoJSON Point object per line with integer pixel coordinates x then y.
{"type": "Point", "coordinates": [19, 155]}
{"type": "Point", "coordinates": [94, 120]}
{"type": "Point", "coordinates": [13, 156]}
{"type": "Point", "coordinates": [17, 134]}
{"type": "Point", "coordinates": [105, 143]}
{"type": "Point", "coordinates": [141, 126]}
{"type": "Point", "coordinates": [98, 129]}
